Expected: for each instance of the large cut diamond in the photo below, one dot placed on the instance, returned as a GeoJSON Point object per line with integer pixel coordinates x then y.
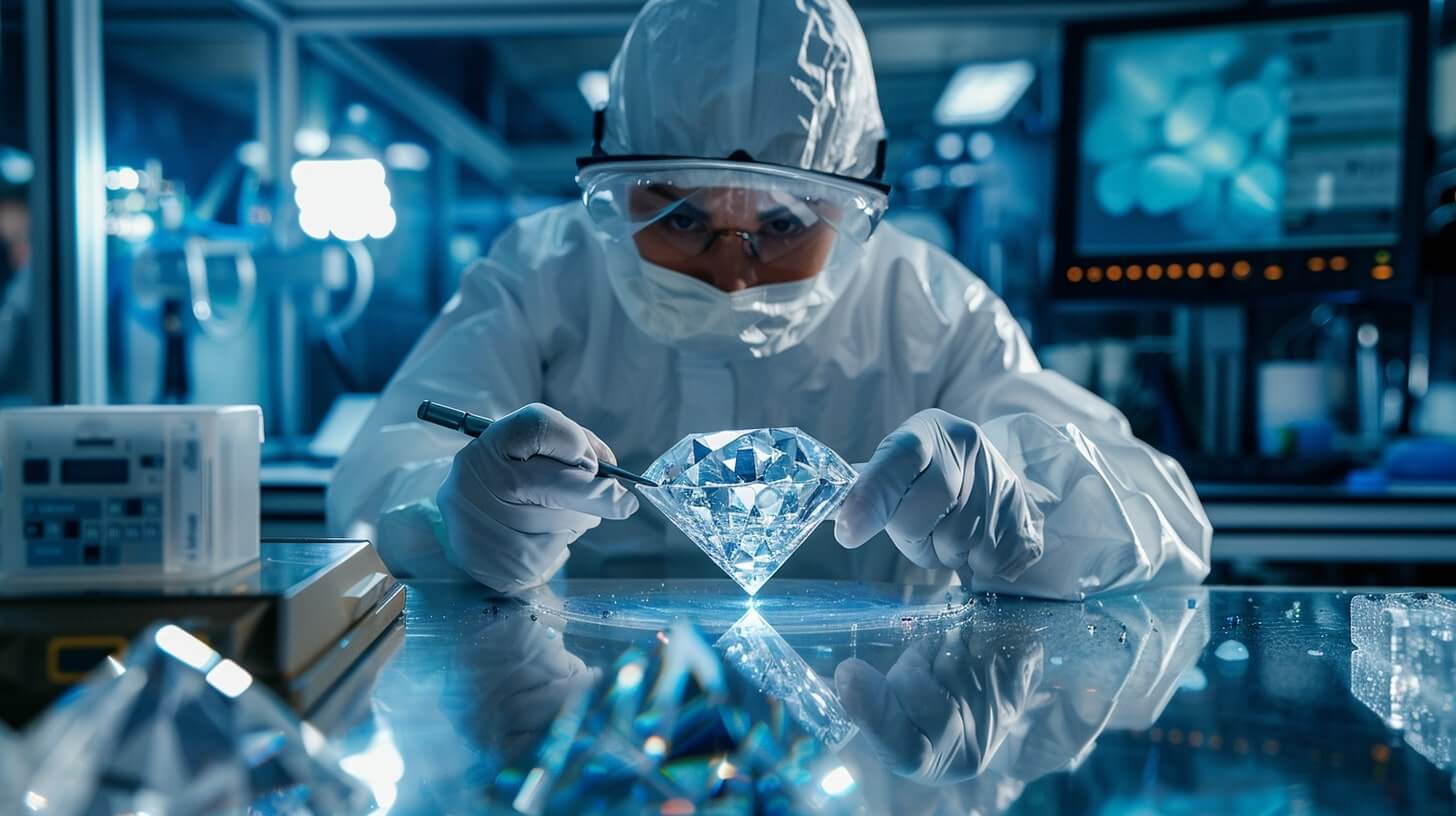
{"type": "Point", "coordinates": [749, 498]}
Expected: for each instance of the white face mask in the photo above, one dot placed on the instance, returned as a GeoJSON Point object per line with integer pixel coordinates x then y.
{"type": "Point", "coordinates": [686, 313]}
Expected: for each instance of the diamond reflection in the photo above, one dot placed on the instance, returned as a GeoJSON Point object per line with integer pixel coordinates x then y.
{"type": "Point", "coordinates": [755, 649]}
{"type": "Point", "coordinates": [674, 732]}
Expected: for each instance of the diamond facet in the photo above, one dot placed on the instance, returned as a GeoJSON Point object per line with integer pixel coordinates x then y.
{"type": "Point", "coordinates": [749, 498]}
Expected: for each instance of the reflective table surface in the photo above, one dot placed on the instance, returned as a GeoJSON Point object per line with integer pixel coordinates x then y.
{"type": "Point", "coordinates": [1174, 701]}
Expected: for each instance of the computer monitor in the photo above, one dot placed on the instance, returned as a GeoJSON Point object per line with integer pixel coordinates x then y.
{"type": "Point", "coordinates": [1243, 154]}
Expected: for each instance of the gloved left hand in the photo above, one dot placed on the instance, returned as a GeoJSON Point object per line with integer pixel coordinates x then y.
{"type": "Point", "coordinates": [947, 499]}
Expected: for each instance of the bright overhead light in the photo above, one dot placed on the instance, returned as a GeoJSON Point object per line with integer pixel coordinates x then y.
{"type": "Point", "coordinates": [253, 155]}
{"type": "Point", "coordinates": [949, 146]}
{"type": "Point", "coordinates": [983, 93]}
{"type": "Point", "coordinates": [311, 141]}
{"type": "Point", "coordinates": [981, 146]}
{"type": "Point", "coordinates": [16, 167]}
{"type": "Point", "coordinates": [406, 156]}
{"type": "Point", "coordinates": [346, 198]}
{"type": "Point", "coordinates": [593, 86]}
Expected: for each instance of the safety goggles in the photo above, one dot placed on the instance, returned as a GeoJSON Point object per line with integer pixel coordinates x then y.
{"type": "Point", "coordinates": [688, 206]}
{"type": "Point", "coordinates": [684, 207]}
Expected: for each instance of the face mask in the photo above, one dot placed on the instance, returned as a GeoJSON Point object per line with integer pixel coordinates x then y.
{"type": "Point", "coordinates": [688, 314]}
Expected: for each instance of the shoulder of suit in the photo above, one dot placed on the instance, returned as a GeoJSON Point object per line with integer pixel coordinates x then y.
{"type": "Point", "coordinates": [917, 268]}
{"type": "Point", "coordinates": [556, 240]}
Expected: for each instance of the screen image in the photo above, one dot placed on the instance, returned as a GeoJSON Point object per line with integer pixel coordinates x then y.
{"type": "Point", "coordinates": [1279, 135]}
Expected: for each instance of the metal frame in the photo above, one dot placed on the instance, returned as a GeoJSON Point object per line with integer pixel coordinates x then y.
{"type": "Point", "coordinates": [520, 17]}
{"type": "Point", "coordinates": [414, 99]}
{"type": "Point", "coordinates": [410, 97]}
{"type": "Point", "coordinates": [64, 95]}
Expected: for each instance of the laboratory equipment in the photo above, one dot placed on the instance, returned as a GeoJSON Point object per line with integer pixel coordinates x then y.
{"type": "Point", "coordinates": [1294, 408]}
{"type": "Point", "coordinates": [202, 285]}
{"type": "Point", "coordinates": [129, 493]}
{"type": "Point", "coordinates": [473, 425]}
{"type": "Point", "coordinates": [749, 498]}
{"type": "Point", "coordinates": [1229, 155]}
{"type": "Point", "coordinates": [298, 623]}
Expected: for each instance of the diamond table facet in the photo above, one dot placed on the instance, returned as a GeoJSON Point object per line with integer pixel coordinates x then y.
{"type": "Point", "coordinates": [749, 498]}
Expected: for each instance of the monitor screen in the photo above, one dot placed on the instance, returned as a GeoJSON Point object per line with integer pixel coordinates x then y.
{"type": "Point", "coordinates": [1278, 135]}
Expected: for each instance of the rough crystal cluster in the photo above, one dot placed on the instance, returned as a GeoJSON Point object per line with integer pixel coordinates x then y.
{"type": "Point", "coordinates": [678, 731]}
{"type": "Point", "coordinates": [1404, 668]}
{"type": "Point", "coordinates": [175, 728]}
{"type": "Point", "coordinates": [749, 498]}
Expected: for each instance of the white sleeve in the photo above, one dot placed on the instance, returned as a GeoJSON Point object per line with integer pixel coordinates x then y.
{"type": "Point", "coordinates": [480, 355]}
{"type": "Point", "coordinates": [1119, 514]}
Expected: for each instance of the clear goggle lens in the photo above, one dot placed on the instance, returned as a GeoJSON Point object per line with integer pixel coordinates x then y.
{"type": "Point", "coordinates": [687, 212]}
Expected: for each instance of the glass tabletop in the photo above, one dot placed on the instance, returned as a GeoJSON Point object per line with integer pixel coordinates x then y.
{"type": "Point", "coordinates": [1171, 701]}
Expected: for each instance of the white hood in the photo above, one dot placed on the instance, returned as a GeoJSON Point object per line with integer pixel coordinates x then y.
{"type": "Point", "coordinates": [788, 81]}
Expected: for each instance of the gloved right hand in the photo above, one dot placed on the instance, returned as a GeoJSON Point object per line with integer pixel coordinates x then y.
{"type": "Point", "coordinates": [943, 710]}
{"type": "Point", "coordinates": [523, 491]}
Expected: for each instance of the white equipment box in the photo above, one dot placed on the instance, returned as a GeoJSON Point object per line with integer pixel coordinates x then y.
{"type": "Point", "coordinates": [128, 493]}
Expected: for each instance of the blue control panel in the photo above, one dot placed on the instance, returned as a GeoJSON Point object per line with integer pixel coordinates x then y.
{"type": "Point", "coordinates": [72, 532]}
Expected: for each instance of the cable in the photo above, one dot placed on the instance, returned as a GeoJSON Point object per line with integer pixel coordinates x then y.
{"type": "Point", "coordinates": [194, 252]}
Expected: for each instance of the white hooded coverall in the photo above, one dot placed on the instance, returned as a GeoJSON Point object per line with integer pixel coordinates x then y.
{"type": "Point", "coordinates": [910, 328]}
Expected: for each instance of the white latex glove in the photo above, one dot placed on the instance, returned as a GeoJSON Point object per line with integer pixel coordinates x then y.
{"type": "Point", "coordinates": [511, 676]}
{"type": "Point", "coordinates": [517, 496]}
{"type": "Point", "coordinates": [946, 706]}
{"type": "Point", "coordinates": [947, 499]}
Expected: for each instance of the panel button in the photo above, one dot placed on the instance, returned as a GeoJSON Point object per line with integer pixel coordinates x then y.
{"type": "Point", "coordinates": [34, 530]}
{"type": "Point", "coordinates": [91, 554]}
{"type": "Point", "coordinates": [52, 529]}
{"type": "Point", "coordinates": [115, 507]}
{"type": "Point", "coordinates": [151, 532]}
{"type": "Point", "coordinates": [152, 508]}
{"type": "Point", "coordinates": [37, 471]}
{"type": "Point", "coordinates": [50, 554]}
{"type": "Point", "coordinates": [133, 532]}
{"type": "Point", "coordinates": [91, 532]}
{"type": "Point", "coordinates": [134, 508]}
{"type": "Point", "coordinates": [72, 529]}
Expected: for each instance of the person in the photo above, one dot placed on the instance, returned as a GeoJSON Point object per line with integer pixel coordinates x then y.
{"type": "Point", "coordinates": [728, 268]}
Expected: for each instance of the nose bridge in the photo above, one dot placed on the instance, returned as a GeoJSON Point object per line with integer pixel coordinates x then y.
{"type": "Point", "coordinates": [731, 261]}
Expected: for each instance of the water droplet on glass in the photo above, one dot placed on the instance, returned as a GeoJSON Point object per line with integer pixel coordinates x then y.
{"type": "Point", "coordinates": [1232, 651]}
